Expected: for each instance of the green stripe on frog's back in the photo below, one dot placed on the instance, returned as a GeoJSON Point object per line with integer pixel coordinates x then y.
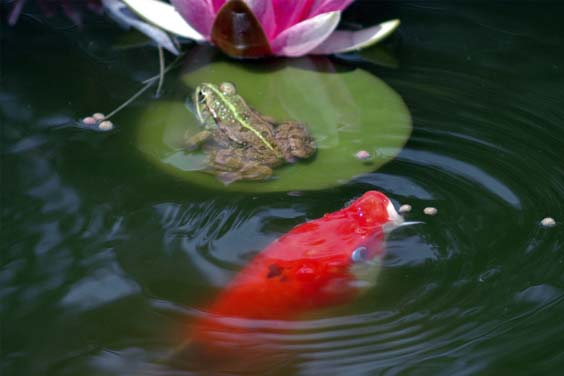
{"type": "Point", "coordinates": [235, 113]}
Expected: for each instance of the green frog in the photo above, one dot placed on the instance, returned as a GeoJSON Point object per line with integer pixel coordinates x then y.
{"type": "Point", "coordinates": [241, 143]}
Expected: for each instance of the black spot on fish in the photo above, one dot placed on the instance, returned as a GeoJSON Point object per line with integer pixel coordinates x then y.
{"type": "Point", "coordinates": [274, 271]}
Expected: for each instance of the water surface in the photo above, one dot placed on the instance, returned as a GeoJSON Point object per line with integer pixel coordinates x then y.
{"type": "Point", "coordinates": [106, 259]}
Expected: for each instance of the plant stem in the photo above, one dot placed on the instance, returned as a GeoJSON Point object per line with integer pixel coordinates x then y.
{"type": "Point", "coordinates": [148, 83]}
{"type": "Point", "coordinates": [161, 72]}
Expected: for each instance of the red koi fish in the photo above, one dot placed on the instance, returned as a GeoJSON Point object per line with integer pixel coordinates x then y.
{"type": "Point", "coordinates": [309, 268]}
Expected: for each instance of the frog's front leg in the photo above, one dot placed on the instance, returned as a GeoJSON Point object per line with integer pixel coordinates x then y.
{"type": "Point", "coordinates": [193, 142]}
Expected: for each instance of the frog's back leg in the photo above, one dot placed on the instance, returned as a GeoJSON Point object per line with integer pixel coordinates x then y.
{"type": "Point", "coordinates": [229, 167]}
{"type": "Point", "coordinates": [249, 172]}
{"type": "Point", "coordinates": [295, 140]}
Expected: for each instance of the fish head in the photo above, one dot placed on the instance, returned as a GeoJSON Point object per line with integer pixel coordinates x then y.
{"type": "Point", "coordinates": [353, 234]}
{"type": "Point", "coordinates": [368, 219]}
{"type": "Point", "coordinates": [374, 209]}
{"type": "Point", "coordinates": [333, 256]}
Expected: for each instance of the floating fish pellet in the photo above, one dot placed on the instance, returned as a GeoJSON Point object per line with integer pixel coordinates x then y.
{"type": "Point", "coordinates": [99, 116]}
{"type": "Point", "coordinates": [430, 210]}
{"type": "Point", "coordinates": [89, 120]}
{"type": "Point", "coordinates": [548, 222]}
{"type": "Point", "coordinates": [362, 155]}
{"type": "Point", "coordinates": [405, 208]}
{"type": "Point", "coordinates": [106, 125]}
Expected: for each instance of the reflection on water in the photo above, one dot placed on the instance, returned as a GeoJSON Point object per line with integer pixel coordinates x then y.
{"type": "Point", "coordinates": [107, 261]}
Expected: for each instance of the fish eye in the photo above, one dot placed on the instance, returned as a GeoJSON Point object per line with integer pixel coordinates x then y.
{"type": "Point", "coordinates": [227, 88]}
{"type": "Point", "coordinates": [359, 255]}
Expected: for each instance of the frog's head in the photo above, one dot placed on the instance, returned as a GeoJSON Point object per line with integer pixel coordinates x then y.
{"type": "Point", "coordinates": [209, 99]}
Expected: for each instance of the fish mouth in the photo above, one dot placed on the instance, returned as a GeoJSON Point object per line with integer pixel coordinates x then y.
{"type": "Point", "coordinates": [395, 219]}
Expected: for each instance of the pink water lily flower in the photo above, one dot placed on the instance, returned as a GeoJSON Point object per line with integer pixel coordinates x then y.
{"type": "Point", "coordinates": [272, 27]}
{"type": "Point", "coordinates": [255, 28]}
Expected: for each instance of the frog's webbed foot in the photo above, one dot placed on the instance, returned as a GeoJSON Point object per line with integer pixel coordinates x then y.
{"type": "Point", "coordinates": [193, 142]}
{"type": "Point", "coordinates": [295, 141]}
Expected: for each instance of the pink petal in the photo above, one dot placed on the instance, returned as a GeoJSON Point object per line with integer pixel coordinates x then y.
{"type": "Point", "coordinates": [217, 4]}
{"type": "Point", "coordinates": [15, 12]}
{"type": "Point", "coordinates": [345, 41]}
{"type": "Point", "coordinates": [299, 39]}
{"type": "Point", "coordinates": [157, 13]}
{"type": "Point", "coordinates": [198, 13]}
{"type": "Point", "coordinates": [300, 10]}
{"type": "Point", "coordinates": [287, 16]}
{"type": "Point", "coordinates": [323, 6]}
{"type": "Point", "coordinates": [264, 11]}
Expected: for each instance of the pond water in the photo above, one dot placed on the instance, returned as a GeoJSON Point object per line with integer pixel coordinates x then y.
{"type": "Point", "coordinates": [107, 258]}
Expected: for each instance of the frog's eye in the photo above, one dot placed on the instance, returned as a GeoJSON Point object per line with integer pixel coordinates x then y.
{"type": "Point", "coordinates": [203, 92]}
{"type": "Point", "coordinates": [227, 88]}
{"type": "Point", "coordinates": [359, 255]}
{"type": "Point", "coordinates": [201, 96]}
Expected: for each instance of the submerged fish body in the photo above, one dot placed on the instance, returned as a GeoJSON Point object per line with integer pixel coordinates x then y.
{"type": "Point", "coordinates": [309, 268]}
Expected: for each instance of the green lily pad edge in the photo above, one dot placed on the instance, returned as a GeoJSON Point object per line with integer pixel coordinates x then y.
{"type": "Point", "coordinates": [347, 112]}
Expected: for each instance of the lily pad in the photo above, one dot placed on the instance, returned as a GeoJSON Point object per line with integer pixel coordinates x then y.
{"type": "Point", "coordinates": [346, 111]}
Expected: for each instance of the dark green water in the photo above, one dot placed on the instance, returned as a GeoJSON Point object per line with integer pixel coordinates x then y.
{"type": "Point", "coordinates": [106, 259]}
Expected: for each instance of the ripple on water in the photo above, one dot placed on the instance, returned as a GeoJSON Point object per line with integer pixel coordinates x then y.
{"type": "Point", "coordinates": [439, 295]}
